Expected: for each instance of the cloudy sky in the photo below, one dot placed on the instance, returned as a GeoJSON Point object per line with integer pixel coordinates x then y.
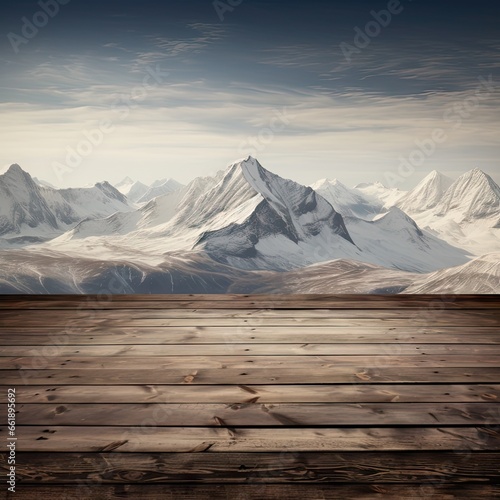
{"type": "Point", "coordinates": [98, 90]}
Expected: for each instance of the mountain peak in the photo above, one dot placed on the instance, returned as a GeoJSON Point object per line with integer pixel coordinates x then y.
{"type": "Point", "coordinates": [15, 168]}
{"type": "Point", "coordinates": [474, 195]}
{"type": "Point", "coordinates": [251, 209]}
{"type": "Point", "coordinates": [396, 219]}
{"type": "Point", "coordinates": [476, 175]}
{"type": "Point", "coordinates": [111, 191]}
{"type": "Point", "coordinates": [435, 173]}
{"type": "Point", "coordinates": [15, 171]}
{"type": "Point", "coordinates": [427, 194]}
{"type": "Point", "coordinates": [322, 184]}
{"type": "Point", "coordinates": [15, 175]}
{"type": "Point", "coordinates": [126, 180]}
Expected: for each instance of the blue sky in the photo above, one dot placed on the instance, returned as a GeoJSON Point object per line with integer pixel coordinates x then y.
{"type": "Point", "coordinates": [100, 90]}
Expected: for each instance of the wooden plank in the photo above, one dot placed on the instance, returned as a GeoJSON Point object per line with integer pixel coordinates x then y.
{"type": "Point", "coordinates": [260, 415]}
{"type": "Point", "coordinates": [350, 393]}
{"type": "Point", "coordinates": [45, 316]}
{"type": "Point", "coordinates": [241, 362]}
{"type": "Point", "coordinates": [315, 335]}
{"type": "Point", "coordinates": [349, 467]}
{"type": "Point", "coordinates": [324, 375]}
{"type": "Point", "coordinates": [292, 301]}
{"type": "Point", "coordinates": [432, 490]}
{"type": "Point", "coordinates": [53, 438]}
{"type": "Point", "coordinates": [276, 303]}
{"type": "Point", "coordinates": [221, 317]}
{"type": "Point", "coordinates": [384, 350]}
{"type": "Point", "coordinates": [82, 323]}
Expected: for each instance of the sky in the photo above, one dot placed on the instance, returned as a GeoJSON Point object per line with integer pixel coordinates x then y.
{"type": "Point", "coordinates": [360, 91]}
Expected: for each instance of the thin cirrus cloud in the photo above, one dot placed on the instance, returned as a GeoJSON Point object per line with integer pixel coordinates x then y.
{"type": "Point", "coordinates": [166, 122]}
{"type": "Point", "coordinates": [223, 83]}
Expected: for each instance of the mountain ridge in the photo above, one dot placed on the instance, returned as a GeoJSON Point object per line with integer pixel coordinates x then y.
{"type": "Point", "coordinates": [241, 223]}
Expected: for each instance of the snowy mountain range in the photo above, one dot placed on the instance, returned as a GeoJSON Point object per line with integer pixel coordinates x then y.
{"type": "Point", "coordinates": [465, 213]}
{"type": "Point", "coordinates": [427, 195]}
{"type": "Point", "coordinates": [246, 229]}
{"type": "Point", "coordinates": [31, 212]}
{"type": "Point", "coordinates": [137, 192]}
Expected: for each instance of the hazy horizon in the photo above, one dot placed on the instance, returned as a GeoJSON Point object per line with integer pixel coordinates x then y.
{"type": "Point", "coordinates": [116, 180]}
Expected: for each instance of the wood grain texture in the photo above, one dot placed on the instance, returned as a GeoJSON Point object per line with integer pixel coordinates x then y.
{"type": "Point", "coordinates": [324, 393]}
{"type": "Point", "coordinates": [108, 319]}
{"type": "Point", "coordinates": [364, 467]}
{"type": "Point", "coordinates": [324, 375]}
{"type": "Point", "coordinates": [297, 301]}
{"type": "Point", "coordinates": [253, 397]}
{"type": "Point", "coordinates": [260, 415]}
{"type": "Point", "coordinates": [150, 439]}
{"type": "Point", "coordinates": [248, 335]}
{"type": "Point", "coordinates": [47, 351]}
{"type": "Point", "coordinates": [242, 362]}
{"type": "Point", "coordinates": [49, 317]}
{"type": "Point", "coordinates": [427, 490]}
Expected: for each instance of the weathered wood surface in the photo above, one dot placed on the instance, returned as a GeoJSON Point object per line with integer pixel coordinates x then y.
{"type": "Point", "coordinates": [57, 438]}
{"type": "Point", "coordinates": [48, 351]}
{"type": "Point", "coordinates": [432, 490]}
{"type": "Point", "coordinates": [311, 361]}
{"type": "Point", "coordinates": [465, 317]}
{"type": "Point", "coordinates": [209, 376]}
{"type": "Point", "coordinates": [228, 301]}
{"type": "Point", "coordinates": [254, 414]}
{"type": "Point", "coordinates": [115, 319]}
{"type": "Point", "coordinates": [224, 396]}
{"type": "Point", "coordinates": [324, 393]}
{"type": "Point", "coordinates": [249, 335]}
{"type": "Point", "coordinates": [283, 467]}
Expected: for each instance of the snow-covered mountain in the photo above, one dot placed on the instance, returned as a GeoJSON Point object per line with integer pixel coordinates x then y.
{"type": "Point", "coordinates": [140, 193]}
{"type": "Point", "coordinates": [133, 190]}
{"type": "Point", "coordinates": [245, 217]}
{"type": "Point", "coordinates": [255, 219]}
{"type": "Point", "coordinates": [29, 211]}
{"type": "Point", "coordinates": [169, 183]}
{"type": "Point", "coordinates": [153, 215]}
{"type": "Point", "coordinates": [348, 202]}
{"type": "Point", "coordinates": [160, 188]}
{"type": "Point", "coordinates": [42, 183]}
{"type": "Point", "coordinates": [427, 194]}
{"type": "Point", "coordinates": [250, 218]}
{"type": "Point", "coordinates": [394, 240]}
{"type": "Point", "coordinates": [473, 196]}
{"type": "Point", "coordinates": [379, 195]}
{"type": "Point", "coordinates": [480, 276]}
{"type": "Point", "coordinates": [467, 214]}
{"type": "Point", "coordinates": [244, 229]}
